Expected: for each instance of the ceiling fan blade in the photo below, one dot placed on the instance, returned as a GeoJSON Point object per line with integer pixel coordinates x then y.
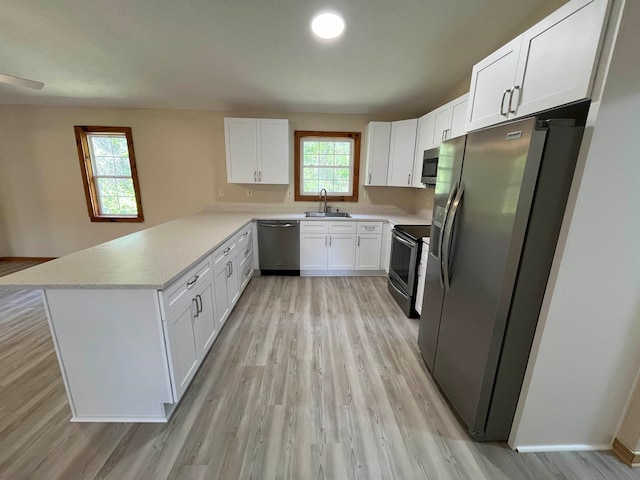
{"type": "Point", "coordinates": [20, 82]}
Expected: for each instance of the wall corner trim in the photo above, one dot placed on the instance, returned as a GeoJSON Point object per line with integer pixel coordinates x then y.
{"type": "Point", "coordinates": [625, 454]}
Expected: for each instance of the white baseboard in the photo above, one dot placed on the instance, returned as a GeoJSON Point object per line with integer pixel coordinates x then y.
{"type": "Point", "coordinates": [561, 448]}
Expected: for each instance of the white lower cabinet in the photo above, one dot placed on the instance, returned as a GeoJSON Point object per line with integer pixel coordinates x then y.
{"type": "Point", "coordinates": [313, 251]}
{"type": "Point", "coordinates": [369, 245]}
{"type": "Point", "coordinates": [205, 324]}
{"type": "Point", "coordinates": [342, 255]}
{"type": "Point", "coordinates": [340, 247]}
{"type": "Point", "coordinates": [191, 329]}
{"type": "Point", "coordinates": [183, 350]}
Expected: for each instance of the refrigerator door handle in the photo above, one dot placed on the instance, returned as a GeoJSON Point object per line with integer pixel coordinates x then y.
{"type": "Point", "coordinates": [448, 228]}
{"type": "Point", "coordinates": [444, 225]}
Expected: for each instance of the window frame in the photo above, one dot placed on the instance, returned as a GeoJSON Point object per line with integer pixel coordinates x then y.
{"type": "Point", "coordinates": [86, 166]}
{"type": "Point", "coordinates": [355, 181]}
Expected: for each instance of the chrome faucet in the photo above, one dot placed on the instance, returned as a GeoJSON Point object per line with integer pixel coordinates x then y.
{"type": "Point", "coordinates": [325, 199]}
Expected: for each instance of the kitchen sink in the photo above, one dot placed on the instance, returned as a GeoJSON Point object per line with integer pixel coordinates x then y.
{"type": "Point", "coordinates": [327, 215]}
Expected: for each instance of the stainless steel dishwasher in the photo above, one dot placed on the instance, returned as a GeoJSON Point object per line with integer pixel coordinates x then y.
{"type": "Point", "coordinates": [279, 247]}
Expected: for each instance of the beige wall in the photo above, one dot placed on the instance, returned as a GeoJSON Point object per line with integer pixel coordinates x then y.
{"type": "Point", "coordinates": [181, 165]}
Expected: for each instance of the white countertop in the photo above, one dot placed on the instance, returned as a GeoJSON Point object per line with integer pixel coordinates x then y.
{"type": "Point", "coordinates": [154, 257]}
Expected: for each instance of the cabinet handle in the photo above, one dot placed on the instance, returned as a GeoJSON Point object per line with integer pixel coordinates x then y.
{"type": "Point", "coordinates": [260, 176]}
{"type": "Point", "coordinates": [197, 311]}
{"type": "Point", "coordinates": [244, 235]}
{"type": "Point", "coordinates": [358, 240]}
{"type": "Point", "coordinates": [228, 269]}
{"type": "Point", "coordinates": [246, 252]}
{"type": "Point", "coordinates": [231, 268]}
{"type": "Point", "coordinates": [369, 179]}
{"type": "Point", "coordinates": [517, 87]}
{"type": "Point", "coordinates": [199, 304]}
{"type": "Point", "coordinates": [329, 240]}
{"type": "Point", "coordinates": [193, 282]}
{"type": "Point", "coordinates": [369, 229]}
{"type": "Point", "coordinates": [504, 95]}
{"type": "Point", "coordinates": [255, 176]}
{"type": "Point", "coordinates": [226, 251]}
{"type": "Point", "coordinates": [409, 180]}
{"type": "Point", "coordinates": [325, 240]}
{"type": "Point", "coordinates": [442, 136]}
{"type": "Point", "coordinates": [248, 272]}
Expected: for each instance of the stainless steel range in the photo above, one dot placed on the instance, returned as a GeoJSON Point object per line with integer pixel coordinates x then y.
{"type": "Point", "coordinates": [406, 248]}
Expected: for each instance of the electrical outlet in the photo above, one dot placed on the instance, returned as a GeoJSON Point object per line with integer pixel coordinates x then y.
{"type": "Point", "coordinates": [249, 193]}
{"type": "Point", "coordinates": [220, 192]}
{"type": "Point", "coordinates": [289, 193]}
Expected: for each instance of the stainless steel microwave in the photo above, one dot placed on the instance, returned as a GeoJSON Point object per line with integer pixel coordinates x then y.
{"type": "Point", "coordinates": [430, 166]}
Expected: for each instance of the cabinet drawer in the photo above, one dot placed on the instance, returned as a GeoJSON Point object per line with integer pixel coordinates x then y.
{"type": "Point", "coordinates": [314, 227]}
{"type": "Point", "coordinates": [246, 270]}
{"type": "Point", "coordinates": [369, 227]}
{"type": "Point", "coordinates": [244, 254]}
{"type": "Point", "coordinates": [342, 227]}
{"type": "Point", "coordinates": [174, 294]}
{"type": "Point", "coordinates": [221, 254]}
{"type": "Point", "coordinates": [243, 237]}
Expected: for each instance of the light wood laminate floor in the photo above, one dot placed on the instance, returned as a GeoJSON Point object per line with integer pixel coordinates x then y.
{"type": "Point", "coordinates": [311, 378]}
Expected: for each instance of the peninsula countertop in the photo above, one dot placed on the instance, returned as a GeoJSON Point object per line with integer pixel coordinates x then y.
{"type": "Point", "coordinates": [155, 257]}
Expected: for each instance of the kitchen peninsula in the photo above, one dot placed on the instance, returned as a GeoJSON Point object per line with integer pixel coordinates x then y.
{"type": "Point", "coordinates": [133, 319]}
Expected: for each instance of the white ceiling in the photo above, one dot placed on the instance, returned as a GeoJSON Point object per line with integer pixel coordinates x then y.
{"type": "Point", "coordinates": [396, 57]}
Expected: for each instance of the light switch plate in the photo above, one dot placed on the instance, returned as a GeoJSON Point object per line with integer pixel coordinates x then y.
{"type": "Point", "coordinates": [220, 192]}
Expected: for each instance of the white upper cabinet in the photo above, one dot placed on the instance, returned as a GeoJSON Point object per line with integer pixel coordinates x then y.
{"type": "Point", "coordinates": [458, 109]}
{"type": "Point", "coordinates": [491, 81]}
{"type": "Point", "coordinates": [567, 41]}
{"type": "Point", "coordinates": [402, 153]}
{"type": "Point", "coordinates": [257, 150]}
{"type": "Point", "coordinates": [551, 64]}
{"type": "Point", "coordinates": [273, 151]}
{"type": "Point", "coordinates": [424, 139]}
{"type": "Point", "coordinates": [442, 118]}
{"type": "Point", "coordinates": [377, 153]}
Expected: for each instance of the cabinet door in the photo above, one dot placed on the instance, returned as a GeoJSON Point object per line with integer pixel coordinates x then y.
{"type": "Point", "coordinates": [378, 141]}
{"type": "Point", "coordinates": [490, 79]}
{"type": "Point", "coordinates": [273, 151]}
{"type": "Point", "coordinates": [368, 249]}
{"type": "Point", "coordinates": [233, 289]}
{"type": "Point", "coordinates": [313, 251]}
{"type": "Point", "coordinates": [386, 246]}
{"type": "Point", "coordinates": [205, 324]}
{"type": "Point", "coordinates": [424, 137]}
{"type": "Point", "coordinates": [458, 109]}
{"type": "Point", "coordinates": [241, 151]}
{"type": "Point", "coordinates": [342, 251]}
{"type": "Point", "coordinates": [558, 57]}
{"type": "Point", "coordinates": [184, 352]}
{"type": "Point", "coordinates": [402, 153]}
{"type": "Point", "coordinates": [442, 117]}
{"type": "Point", "coordinates": [222, 305]}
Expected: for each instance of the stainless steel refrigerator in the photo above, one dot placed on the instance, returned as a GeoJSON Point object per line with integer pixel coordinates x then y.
{"type": "Point", "coordinates": [500, 197]}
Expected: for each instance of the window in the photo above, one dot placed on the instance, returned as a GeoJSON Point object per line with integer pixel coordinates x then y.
{"type": "Point", "coordinates": [109, 174]}
{"type": "Point", "coordinates": [328, 160]}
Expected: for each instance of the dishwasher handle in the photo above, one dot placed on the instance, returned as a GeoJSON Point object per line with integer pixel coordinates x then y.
{"type": "Point", "coordinates": [280, 225]}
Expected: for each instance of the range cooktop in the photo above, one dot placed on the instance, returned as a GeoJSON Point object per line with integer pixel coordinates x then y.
{"type": "Point", "coordinates": [416, 232]}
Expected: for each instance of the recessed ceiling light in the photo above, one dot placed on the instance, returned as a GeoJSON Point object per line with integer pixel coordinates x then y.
{"type": "Point", "coordinates": [327, 25]}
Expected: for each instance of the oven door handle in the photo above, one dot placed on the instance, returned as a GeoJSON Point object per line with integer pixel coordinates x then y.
{"type": "Point", "coordinates": [403, 241]}
{"type": "Point", "coordinates": [449, 238]}
{"type": "Point", "coordinates": [447, 208]}
{"type": "Point", "coordinates": [392, 282]}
